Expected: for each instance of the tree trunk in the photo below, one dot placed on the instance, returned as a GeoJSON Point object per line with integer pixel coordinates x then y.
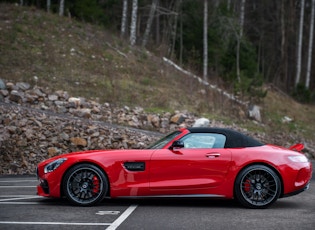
{"type": "Point", "coordinates": [310, 47]}
{"type": "Point", "coordinates": [239, 38]}
{"type": "Point", "coordinates": [242, 16]}
{"type": "Point", "coordinates": [61, 7]}
{"type": "Point", "coordinates": [228, 5]}
{"type": "Point", "coordinates": [149, 23]}
{"type": "Point", "coordinates": [300, 42]}
{"type": "Point", "coordinates": [205, 40]}
{"type": "Point", "coordinates": [133, 26]}
{"type": "Point", "coordinates": [282, 30]}
{"type": "Point", "coordinates": [174, 32]}
{"type": "Point", "coordinates": [124, 19]}
{"type": "Point", "coordinates": [157, 28]}
{"type": "Point", "coordinates": [181, 35]}
{"type": "Point", "coordinates": [48, 5]}
{"type": "Point", "coordinates": [238, 72]}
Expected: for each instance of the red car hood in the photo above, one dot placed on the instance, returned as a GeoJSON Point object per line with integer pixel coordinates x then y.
{"type": "Point", "coordinates": [91, 153]}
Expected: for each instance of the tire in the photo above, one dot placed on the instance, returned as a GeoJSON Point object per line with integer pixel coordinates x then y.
{"type": "Point", "coordinates": [257, 186]}
{"type": "Point", "coordinates": [85, 185]}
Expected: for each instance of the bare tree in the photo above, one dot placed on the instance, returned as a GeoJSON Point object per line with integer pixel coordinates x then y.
{"type": "Point", "coordinates": [310, 47]}
{"type": "Point", "coordinates": [181, 46]}
{"type": "Point", "coordinates": [133, 26]}
{"type": "Point", "coordinates": [228, 4]}
{"type": "Point", "coordinates": [149, 23]}
{"type": "Point", "coordinates": [124, 19]}
{"type": "Point", "coordinates": [242, 16]}
{"type": "Point", "coordinates": [48, 5]}
{"type": "Point", "coordinates": [177, 7]}
{"type": "Point", "coordinates": [61, 7]}
{"type": "Point", "coordinates": [239, 38]}
{"type": "Point", "coordinates": [282, 29]}
{"type": "Point", "coordinates": [299, 50]}
{"type": "Point", "coordinates": [157, 27]}
{"type": "Point", "coordinates": [205, 40]}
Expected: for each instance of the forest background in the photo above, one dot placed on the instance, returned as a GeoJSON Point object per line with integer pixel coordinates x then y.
{"type": "Point", "coordinates": [240, 44]}
{"type": "Point", "coordinates": [213, 58]}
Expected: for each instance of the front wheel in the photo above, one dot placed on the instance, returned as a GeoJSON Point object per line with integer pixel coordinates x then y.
{"type": "Point", "coordinates": [257, 186]}
{"type": "Point", "coordinates": [85, 185]}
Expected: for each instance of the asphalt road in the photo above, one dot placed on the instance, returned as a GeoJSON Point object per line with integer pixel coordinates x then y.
{"type": "Point", "coordinates": [20, 208]}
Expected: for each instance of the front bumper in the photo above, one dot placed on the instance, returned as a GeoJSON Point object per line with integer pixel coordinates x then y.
{"type": "Point", "coordinates": [298, 191]}
{"type": "Point", "coordinates": [43, 188]}
{"type": "Point", "coordinates": [49, 184]}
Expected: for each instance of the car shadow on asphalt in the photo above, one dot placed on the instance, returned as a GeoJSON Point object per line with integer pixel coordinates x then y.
{"type": "Point", "coordinates": [172, 202]}
{"type": "Point", "coordinates": [175, 202]}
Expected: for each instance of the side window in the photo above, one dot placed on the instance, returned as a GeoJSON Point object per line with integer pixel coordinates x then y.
{"type": "Point", "coordinates": [204, 140]}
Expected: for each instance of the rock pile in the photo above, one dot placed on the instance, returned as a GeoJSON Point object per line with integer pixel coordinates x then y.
{"type": "Point", "coordinates": [36, 123]}
{"type": "Point", "coordinates": [60, 102]}
{"type": "Point", "coordinates": [29, 136]}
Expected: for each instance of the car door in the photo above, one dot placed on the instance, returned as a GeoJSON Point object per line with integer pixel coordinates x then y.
{"type": "Point", "coordinates": [199, 165]}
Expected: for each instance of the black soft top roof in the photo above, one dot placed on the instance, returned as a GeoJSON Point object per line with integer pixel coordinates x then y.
{"type": "Point", "coordinates": [234, 139]}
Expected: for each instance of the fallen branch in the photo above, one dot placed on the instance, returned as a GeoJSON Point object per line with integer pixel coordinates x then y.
{"type": "Point", "coordinates": [117, 50]}
{"type": "Point", "coordinates": [214, 87]}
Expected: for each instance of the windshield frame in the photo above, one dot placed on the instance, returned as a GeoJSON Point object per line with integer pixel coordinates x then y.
{"type": "Point", "coordinates": [161, 143]}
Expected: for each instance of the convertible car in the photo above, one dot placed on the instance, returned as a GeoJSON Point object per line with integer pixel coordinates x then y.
{"type": "Point", "coordinates": [190, 162]}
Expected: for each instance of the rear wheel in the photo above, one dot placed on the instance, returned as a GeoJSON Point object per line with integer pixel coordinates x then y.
{"type": "Point", "coordinates": [85, 185]}
{"type": "Point", "coordinates": [257, 186]}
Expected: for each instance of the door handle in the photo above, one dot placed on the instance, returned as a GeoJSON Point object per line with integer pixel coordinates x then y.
{"type": "Point", "coordinates": [212, 155]}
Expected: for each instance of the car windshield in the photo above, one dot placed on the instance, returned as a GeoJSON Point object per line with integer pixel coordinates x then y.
{"type": "Point", "coordinates": [164, 140]}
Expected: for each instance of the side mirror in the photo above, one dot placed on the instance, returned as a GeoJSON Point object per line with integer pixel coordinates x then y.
{"type": "Point", "coordinates": [177, 145]}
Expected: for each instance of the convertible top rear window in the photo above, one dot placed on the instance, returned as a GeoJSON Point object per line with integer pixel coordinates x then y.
{"type": "Point", "coordinates": [234, 139]}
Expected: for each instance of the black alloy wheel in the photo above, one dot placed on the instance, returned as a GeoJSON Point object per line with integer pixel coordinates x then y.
{"type": "Point", "coordinates": [257, 186]}
{"type": "Point", "coordinates": [85, 185]}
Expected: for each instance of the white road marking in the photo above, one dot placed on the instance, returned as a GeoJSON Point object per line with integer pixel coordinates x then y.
{"type": "Point", "coordinates": [17, 186]}
{"type": "Point", "coordinates": [17, 181]}
{"type": "Point", "coordinates": [11, 199]}
{"type": "Point", "coordinates": [19, 198]}
{"type": "Point", "coordinates": [122, 218]}
{"type": "Point", "coordinates": [10, 195]}
{"type": "Point", "coordinates": [12, 202]}
{"type": "Point", "coordinates": [55, 223]}
{"type": "Point", "coordinates": [102, 213]}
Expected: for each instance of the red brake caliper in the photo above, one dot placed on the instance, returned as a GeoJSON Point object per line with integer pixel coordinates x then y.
{"type": "Point", "coordinates": [96, 184]}
{"type": "Point", "coordinates": [247, 185]}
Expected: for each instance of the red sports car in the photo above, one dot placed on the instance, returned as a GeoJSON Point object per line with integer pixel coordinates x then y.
{"type": "Point", "coordinates": [191, 162]}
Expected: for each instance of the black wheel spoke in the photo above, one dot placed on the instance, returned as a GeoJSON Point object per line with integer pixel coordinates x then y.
{"type": "Point", "coordinates": [85, 185]}
{"type": "Point", "coordinates": [259, 179]}
{"type": "Point", "coordinates": [259, 186]}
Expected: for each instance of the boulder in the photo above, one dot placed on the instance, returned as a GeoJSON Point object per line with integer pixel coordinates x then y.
{"type": "Point", "coordinates": [201, 122]}
{"type": "Point", "coordinates": [2, 85]}
{"type": "Point", "coordinates": [78, 141]}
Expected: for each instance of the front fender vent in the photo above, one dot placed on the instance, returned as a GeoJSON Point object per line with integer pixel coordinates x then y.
{"type": "Point", "coordinates": [134, 166]}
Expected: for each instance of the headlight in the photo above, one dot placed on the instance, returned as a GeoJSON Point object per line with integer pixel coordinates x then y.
{"type": "Point", "coordinates": [300, 159]}
{"type": "Point", "coordinates": [54, 165]}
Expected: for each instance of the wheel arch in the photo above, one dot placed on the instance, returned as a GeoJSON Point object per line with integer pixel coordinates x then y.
{"type": "Point", "coordinates": [81, 163]}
